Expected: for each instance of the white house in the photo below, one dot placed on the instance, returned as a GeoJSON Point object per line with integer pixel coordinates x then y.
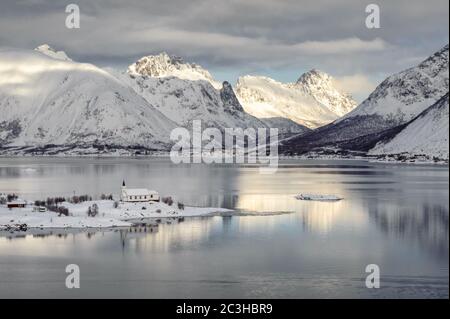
{"type": "Point", "coordinates": [138, 195]}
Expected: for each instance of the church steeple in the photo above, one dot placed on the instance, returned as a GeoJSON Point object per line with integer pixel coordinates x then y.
{"type": "Point", "coordinates": [123, 191]}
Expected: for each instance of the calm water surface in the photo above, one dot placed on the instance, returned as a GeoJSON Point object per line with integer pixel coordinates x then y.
{"type": "Point", "coordinates": [395, 216]}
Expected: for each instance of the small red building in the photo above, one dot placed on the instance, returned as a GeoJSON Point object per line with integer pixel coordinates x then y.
{"type": "Point", "coordinates": [16, 204]}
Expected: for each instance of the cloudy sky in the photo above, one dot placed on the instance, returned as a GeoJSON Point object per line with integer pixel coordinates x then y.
{"type": "Point", "coordinates": [277, 38]}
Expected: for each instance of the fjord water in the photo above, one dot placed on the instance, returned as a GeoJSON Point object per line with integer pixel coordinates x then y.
{"type": "Point", "coordinates": [394, 216]}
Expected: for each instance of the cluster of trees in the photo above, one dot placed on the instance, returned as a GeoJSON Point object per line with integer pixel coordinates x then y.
{"type": "Point", "coordinates": [40, 203]}
{"type": "Point", "coordinates": [61, 210]}
{"type": "Point", "coordinates": [8, 198]}
{"type": "Point", "coordinates": [92, 210]}
{"type": "Point", "coordinates": [55, 201]}
{"type": "Point", "coordinates": [76, 199]}
{"type": "Point", "coordinates": [53, 205]}
{"type": "Point", "coordinates": [50, 201]}
{"type": "Point", "coordinates": [11, 197]}
{"type": "Point", "coordinates": [167, 200]}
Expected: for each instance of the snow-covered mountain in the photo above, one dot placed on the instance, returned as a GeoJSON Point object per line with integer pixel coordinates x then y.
{"type": "Point", "coordinates": [322, 87]}
{"type": "Point", "coordinates": [312, 101]}
{"type": "Point", "coordinates": [164, 65]}
{"type": "Point", "coordinates": [397, 100]}
{"type": "Point", "coordinates": [179, 91]}
{"type": "Point", "coordinates": [427, 134]}
{"type": "Point", "coordinates": [404, 95]}
{"type": "Point", "coordinates": [47, 99]}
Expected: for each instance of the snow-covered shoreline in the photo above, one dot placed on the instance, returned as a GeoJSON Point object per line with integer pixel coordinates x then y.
{"type": "Point", "coordinates": [107, 217]}
{"type": "Point", "coordinates": [383, 159]}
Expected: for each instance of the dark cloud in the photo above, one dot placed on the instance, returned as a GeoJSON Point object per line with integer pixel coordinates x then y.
{"type": "Point", "coordinates": [281, 38]}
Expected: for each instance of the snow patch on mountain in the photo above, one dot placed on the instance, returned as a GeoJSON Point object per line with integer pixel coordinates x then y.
{"type": "Point", "coordinates": [427, 134]}
{"type": "Point", "coordinates": [312, 101]}
{"type": "Point", "coordinates": [49, 51]}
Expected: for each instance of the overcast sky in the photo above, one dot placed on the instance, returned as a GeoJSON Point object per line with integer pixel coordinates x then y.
{"type": "Point", "coordinates": [277, 38]}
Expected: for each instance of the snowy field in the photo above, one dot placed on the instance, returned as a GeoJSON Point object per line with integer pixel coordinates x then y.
{"type": "Point", "coordinates": [108, 216]}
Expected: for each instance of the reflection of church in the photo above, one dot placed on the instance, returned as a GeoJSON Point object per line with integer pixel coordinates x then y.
{"type": "Point", "coordinates": [137, 232]}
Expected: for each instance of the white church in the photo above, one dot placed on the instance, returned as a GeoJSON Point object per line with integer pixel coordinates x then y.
{"type": "Point", "coordinates": [133, 195]}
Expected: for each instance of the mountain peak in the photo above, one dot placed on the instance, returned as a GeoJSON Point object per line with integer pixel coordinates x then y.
{"type": "Point", "coordinates": [322, 87]}
{"type": "Point", "coordinates": [229, 99]}
{"type": "Point", "coordinates": [314, 76]}
{"type": "Point", "coordinates": [50, 52]}
{"type": "Point", "coordinates": [156, 65]}
{"type": "Point", "coordinates": [438, 61]}
{"type": "Point", "coordinates": [165, 65]}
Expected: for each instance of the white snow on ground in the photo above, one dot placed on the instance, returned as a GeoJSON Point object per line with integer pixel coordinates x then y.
{"type": "Point", "coordinates": [427, 135]}
{"type": "Point", "coordinates": [108, 216]}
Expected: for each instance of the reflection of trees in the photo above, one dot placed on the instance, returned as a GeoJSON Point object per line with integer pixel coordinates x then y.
{"type": "Point", "coordinates": [427, 224]}
{"type": "Point", "coordinates": [9, 172]}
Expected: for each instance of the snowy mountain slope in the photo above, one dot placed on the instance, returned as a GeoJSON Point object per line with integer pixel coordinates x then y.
{"type": "Point", "coordinates": [312, 101]}
{"type": "Point", "coordinates": [394, 102]}
{"type": "Point", "coordinates": [285, 126]}
{"type": "Point", "coordinates": [427, 134]}
{"type": "Point", "coordinates": [404, 95]}
{"type": "Point", "coordinates": [183, 100]}
{"type": "Point", "coordinates": [163, 65]}
{"type": "Point", "coordinates": [44, 101]}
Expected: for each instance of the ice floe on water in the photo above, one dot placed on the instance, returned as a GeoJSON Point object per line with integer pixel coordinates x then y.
{"type": "Point", "coordinates": [248, 213]}
{"type": "Point", "coordinates": [318, 197]}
